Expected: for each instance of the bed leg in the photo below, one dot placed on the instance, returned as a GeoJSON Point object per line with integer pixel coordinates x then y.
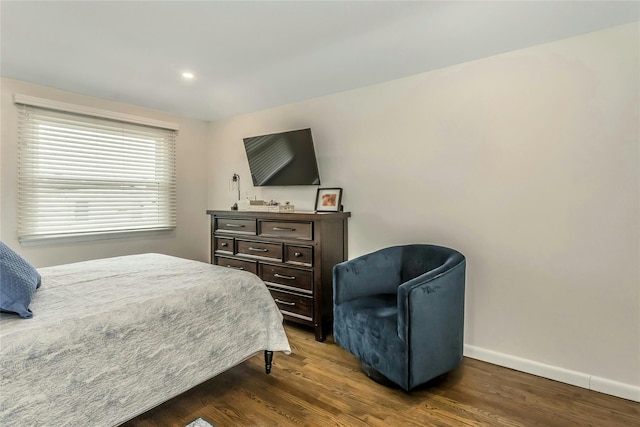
{"type": "Point", "coordinates": [268, 358]}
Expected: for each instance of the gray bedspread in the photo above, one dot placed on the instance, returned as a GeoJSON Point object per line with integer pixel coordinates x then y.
{"type": "Point", "coordinates": [114, 337]}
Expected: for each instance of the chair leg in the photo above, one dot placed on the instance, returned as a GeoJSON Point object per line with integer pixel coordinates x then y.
{"type": "Point", "coordinates": [377, 376]}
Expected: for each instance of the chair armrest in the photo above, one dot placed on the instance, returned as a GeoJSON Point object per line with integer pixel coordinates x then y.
{"type": "Point", "coordinates": [371, 274]}
{"type": "Point", "coordinates": [432, 301]}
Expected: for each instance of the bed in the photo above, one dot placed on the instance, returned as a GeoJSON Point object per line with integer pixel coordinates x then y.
{"type": "Point", "coordinates": [112, 338]}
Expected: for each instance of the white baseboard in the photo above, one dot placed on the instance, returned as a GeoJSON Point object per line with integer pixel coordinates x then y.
{"type": "Point", "coordinates": [614, 388]}
{"type": "Point", "coordinates": [590, 382]}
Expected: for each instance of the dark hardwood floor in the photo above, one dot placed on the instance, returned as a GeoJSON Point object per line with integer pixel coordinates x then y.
{"type": "Point", "coordinates": [320, 384]}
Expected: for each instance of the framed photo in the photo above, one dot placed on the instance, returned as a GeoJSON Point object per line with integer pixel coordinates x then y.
{"type": "Point", "coordinates": [329, 199]}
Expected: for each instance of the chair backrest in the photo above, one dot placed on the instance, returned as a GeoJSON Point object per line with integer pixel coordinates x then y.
{"type": "Point", "coordinates": [418, 259]}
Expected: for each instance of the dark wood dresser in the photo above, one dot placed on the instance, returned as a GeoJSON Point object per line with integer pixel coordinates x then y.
{"type": "Point", "coordinates": [293, 253]}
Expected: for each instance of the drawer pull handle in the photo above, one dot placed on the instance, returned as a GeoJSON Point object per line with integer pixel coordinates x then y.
{"type": "Point", "coordinates": [234, 225]}
{"type": "Point", "coordinates": [280, 276]}
{"type": "Point", "coordinates": [234, 267]}
{"type": "Point", "coordinates": [297, 254]}
{"type": "Point", "coordinates": [284, 302]}
{"type": "Point", "coordinates": [224, 245]}
{"type": "Point", "coordinates": [258, 249]}
{"type": "Point", "coordinates": [283, 229]}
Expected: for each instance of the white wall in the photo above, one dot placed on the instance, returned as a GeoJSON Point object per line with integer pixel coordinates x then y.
{"type": "Point", "coordinates": [527, 162]}
{"type": "Point", "coordinates": [190, 238]}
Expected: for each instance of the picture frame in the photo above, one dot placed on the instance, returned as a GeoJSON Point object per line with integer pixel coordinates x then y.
{"type": "Point", "coordinates": [329, 200]}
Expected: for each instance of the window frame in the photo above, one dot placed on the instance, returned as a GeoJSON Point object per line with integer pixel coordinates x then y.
{"type": "Point", "coordinates": [147, 194]}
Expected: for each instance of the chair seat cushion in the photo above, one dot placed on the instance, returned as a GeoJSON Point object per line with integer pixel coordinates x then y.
{"type": "Point", "coordinates": [367, 328]}
{"type": "Point", "coordinates": [384, 306]}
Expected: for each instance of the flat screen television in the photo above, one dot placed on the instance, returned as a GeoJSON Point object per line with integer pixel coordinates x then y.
{"type": "Point", "coordinates": [286, 158]}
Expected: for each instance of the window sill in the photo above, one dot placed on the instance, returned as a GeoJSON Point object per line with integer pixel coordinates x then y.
{"type": "Point", "coordinates": [89, 237]}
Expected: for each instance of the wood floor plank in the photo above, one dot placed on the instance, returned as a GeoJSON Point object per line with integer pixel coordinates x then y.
{"type": "Point", "coordinates": [320, 384]}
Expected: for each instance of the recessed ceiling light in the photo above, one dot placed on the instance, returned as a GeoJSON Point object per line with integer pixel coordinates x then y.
{"type": "Point", "coordinates": [188, 75]}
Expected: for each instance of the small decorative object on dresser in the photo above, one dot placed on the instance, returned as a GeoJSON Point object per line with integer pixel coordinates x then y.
{"type": "Point", "coordinates": [235, 185]}
{"type": "Point", "coordinates": [262, 206]}
{"type": "Point", "coordinates": [293, 253]}
{"type": "Point", "coordinates": [329, 200]}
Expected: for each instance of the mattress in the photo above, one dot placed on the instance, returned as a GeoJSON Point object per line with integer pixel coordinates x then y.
{"type": "Point", "coordinates": [114, 337]}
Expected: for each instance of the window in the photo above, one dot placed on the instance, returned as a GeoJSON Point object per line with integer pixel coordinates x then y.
{"type": "Point", "coordinates": [81, 175]}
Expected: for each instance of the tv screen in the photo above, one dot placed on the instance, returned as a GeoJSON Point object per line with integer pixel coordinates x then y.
{"type": "Point", "coordinates": [286, 158]}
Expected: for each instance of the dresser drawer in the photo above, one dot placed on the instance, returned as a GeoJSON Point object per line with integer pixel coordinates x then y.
{"type": "Point", "coordinates": [296, 279]}
{"type": "Point", "coordinates": [292, 304]}
{"type": "Point", "coordinates": [238, 264]}
{"type": "Point", "coordinates": [224, 244]}
{"type": "Point", "coordinates": [286, 229]}
{"type": "Point", "coordinates": [261, 249]}
{"type": "Point", "coordinates": [302, 255]}
{"type": "Point", "coordinates": [232, 225]}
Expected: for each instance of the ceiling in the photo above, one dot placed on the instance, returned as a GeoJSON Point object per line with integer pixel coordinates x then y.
{"type": "Point", "coordinates": [248, 56]}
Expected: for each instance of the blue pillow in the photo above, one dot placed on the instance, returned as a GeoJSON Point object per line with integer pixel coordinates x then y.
{"type": "Point", "coordinates": [18, 282]}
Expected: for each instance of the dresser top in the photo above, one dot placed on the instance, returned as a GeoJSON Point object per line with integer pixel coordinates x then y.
{"type": "Point", "coordinates": [309, 216]}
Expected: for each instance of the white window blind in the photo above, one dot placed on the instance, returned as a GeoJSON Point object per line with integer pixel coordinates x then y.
{"type": "Point", "coordinates": [81, 175]}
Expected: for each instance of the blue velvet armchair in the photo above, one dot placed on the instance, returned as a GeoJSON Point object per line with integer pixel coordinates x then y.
{"type": "Point", "coordinates": [400, 310]}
